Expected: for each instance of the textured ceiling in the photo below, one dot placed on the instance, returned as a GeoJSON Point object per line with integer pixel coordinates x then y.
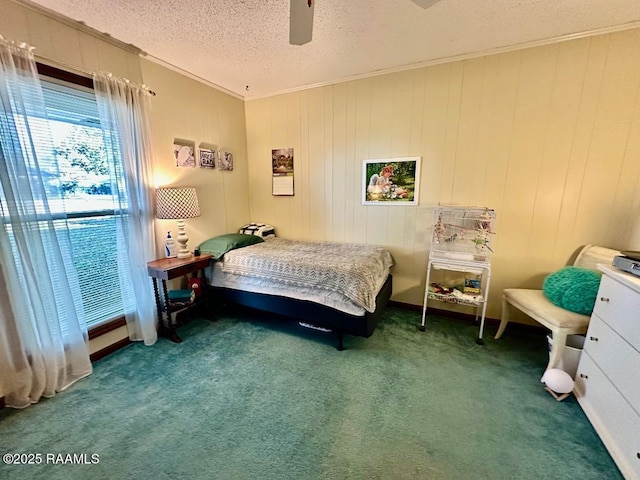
{"type": "Point", "coordinates": [240, 43]}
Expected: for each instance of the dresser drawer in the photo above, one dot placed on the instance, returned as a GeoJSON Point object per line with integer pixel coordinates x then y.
{"type": "Point", "coordinates": [618, 360]}
{"type": "Point", "coordinates": [619, 306]}
{"type": "Point", "coordinates": [612, 417]}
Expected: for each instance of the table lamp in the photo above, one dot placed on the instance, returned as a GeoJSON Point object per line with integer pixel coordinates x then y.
{"type": "Point", "coordinates": [178, 203]}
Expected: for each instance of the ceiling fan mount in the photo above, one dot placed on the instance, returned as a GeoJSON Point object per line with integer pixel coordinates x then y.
{"type": "Point", "coordinates": [425, 3]}
{"type": "Point", "coordinates": [301, 19]}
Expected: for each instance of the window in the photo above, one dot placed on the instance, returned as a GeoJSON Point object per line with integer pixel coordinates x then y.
{"type": "Point", "coordinates": [81, 170]}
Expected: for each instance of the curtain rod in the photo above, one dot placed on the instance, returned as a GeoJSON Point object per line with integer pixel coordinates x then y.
{"type": "Point", "coordinates": [74, 69]}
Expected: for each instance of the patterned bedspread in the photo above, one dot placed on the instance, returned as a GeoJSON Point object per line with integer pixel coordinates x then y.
{"type": "Point", "coordinates": [356, 271]}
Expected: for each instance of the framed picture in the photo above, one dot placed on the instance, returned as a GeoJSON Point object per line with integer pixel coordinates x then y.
{"type": "Point", "coordinates": [391, 181]}
{"type": "Point", "coordinates": [282, 171]}
{"type": "Point", "coordinates": [207, 158]}
{"type": "Point", "coordinates": [184, 154]}
{"type": "Point", "coordinates": [225, 161]}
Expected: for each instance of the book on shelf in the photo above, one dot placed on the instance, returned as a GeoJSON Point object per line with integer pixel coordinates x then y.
{"type": "Point", "coordinates": [182, 296]}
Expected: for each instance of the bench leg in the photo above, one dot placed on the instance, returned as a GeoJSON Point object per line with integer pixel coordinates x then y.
{"type": "Point", "coordinates": [505, 317]}
{"type": "Point", "coordinates": [559, 338]}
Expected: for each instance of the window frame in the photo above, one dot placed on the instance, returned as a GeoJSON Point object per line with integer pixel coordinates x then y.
{"type": "Point", "coordinates": [44, 70]}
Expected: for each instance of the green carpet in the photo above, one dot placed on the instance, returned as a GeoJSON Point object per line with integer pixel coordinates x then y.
{"type": "Point", "coordinates": [251, 398]}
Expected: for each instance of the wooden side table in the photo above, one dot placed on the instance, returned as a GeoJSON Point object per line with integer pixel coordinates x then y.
{"type": "Point", "coordinates": [167, 269]}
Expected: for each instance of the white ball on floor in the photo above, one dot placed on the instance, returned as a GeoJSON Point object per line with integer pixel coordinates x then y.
{"type": "Point", "coordinates": [557, 380]}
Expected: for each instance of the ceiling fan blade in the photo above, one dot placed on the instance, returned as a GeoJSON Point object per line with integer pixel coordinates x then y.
{"type": "Point", "coordinates": [425, 3]}
{"type": "Point", "coordinates": [301, 21]}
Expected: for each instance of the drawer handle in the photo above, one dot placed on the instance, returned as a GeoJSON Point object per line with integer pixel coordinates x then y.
{"type": "Point", "coordinates": [604, 299]}
{"type": "Point", "coordinates": [593, 339]}
{"type": "Point", "coordinates": [582, 375]}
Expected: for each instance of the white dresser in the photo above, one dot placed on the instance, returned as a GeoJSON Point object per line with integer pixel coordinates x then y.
{"type": "Point", "coordinates": [608, 379]}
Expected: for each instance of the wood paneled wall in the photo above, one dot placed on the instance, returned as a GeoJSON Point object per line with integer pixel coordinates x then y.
{"type": "Point", "coordinates": [61, 43]}
{"type": "Point", "coordinates": [187, 109]}
{"type": "Point", "coordinates": [548, 136]}
{"type": "Point", "coordinates": [183, 108]}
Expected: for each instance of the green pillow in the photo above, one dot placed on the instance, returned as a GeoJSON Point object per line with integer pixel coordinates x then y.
{"type": "Point", "coordinates": [573, 288]}
{"type": "Point", "coordinates": [218, 246]}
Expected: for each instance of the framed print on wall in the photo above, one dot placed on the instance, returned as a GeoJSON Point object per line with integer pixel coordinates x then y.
{"type": "Point", "coordinates": [391, 181]}
{"type": "Point", "coordinates": [183, 151]}
{"type": "Point", "coordinates": [225, 160]}
{"type": "Point", "coordinates": [207, 157]}
{"type": "Point", "coordinates": [282, 172]}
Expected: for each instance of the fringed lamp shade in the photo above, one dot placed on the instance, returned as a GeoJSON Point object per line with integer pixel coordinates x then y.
{"type": "Point", "coordinates": [178, 203]}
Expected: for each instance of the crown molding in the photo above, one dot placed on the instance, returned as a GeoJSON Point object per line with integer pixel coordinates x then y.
{"type": "Point", "coordinates": [190, 75]}
{"type": "Point", "coordinates": [458, 58]}
{"type": "Point", "coordinates": [83, 27]}
{"type": "Point", "coordinates": [413, 66]}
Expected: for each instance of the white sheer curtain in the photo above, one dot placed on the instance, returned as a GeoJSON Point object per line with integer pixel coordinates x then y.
{"type": "Point", "coordinates": [43, 337]}
{"type": "Point", "coordinates": [124, 116]}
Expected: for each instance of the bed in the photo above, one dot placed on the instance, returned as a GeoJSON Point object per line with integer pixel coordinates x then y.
{"type": "Point", "coordinates": [331, 287]}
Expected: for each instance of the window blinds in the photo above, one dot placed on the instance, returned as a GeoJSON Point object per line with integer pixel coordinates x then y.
{"type": "Point", "coordinates": [88, 211]}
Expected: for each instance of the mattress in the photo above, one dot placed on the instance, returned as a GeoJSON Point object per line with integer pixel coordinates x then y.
{"type": "Point", "coordinates": [346, 277]}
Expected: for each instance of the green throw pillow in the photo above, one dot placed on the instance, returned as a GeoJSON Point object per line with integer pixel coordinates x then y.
{"type": "Point", "coordinates": [573, 288]}
{"type": "Point", "coordinates": [218, 246]}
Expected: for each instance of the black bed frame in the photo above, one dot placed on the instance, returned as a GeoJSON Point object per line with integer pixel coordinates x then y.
{"type": "Point", "coordinates": [309, 313]}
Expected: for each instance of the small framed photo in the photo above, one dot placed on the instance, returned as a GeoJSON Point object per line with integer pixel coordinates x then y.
{"type": "Point", "coordinates": [225, 161]}
{"type": "Point", "coordinates": [282, 171]}
{"type": "Point", "coordinates": [207, 157]}
{"type": "Point", "coordinates": [391, 181]}
{"type": "Point", "coordinates": [184, 154]}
